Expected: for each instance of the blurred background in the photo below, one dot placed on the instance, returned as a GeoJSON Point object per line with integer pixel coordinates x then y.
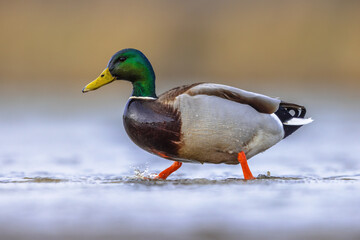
{"type": "Point", "coordinates": [307, 52]}
{"type": "Point", "coordinates": [55, 47]}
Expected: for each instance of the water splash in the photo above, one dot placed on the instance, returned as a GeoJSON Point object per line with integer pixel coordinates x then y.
{"type": "Point", "coordinates": [141, 174]}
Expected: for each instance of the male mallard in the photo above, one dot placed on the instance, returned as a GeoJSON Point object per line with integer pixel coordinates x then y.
{"type": "Point", "coordinates": [201, 122]}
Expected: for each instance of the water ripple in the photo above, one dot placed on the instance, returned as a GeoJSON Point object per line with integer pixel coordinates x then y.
{"type": "Point", "coordinates": [149, 181]}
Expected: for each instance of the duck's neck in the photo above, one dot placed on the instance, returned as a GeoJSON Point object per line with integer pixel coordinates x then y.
{"type": "Point", "coordinates": [144, 86]}
{"type": "Point", "coordinates": [144, 89]}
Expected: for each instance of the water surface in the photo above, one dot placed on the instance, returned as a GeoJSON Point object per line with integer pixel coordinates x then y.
{"type": "Point", "coordinates": [82, 178]}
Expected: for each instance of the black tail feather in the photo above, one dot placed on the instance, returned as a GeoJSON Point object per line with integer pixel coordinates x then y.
{"type": "Point", "coordinates": [288, 111]}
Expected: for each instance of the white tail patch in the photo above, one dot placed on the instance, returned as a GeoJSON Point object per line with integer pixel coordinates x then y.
{"type": "Point", "coordinates": [298, 121]}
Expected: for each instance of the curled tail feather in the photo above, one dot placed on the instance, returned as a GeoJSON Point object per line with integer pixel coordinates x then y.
{"type": "Point", "coordinates": [292, 117]}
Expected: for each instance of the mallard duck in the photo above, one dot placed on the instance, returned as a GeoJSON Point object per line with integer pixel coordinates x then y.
{"type": "Point", "coordinates": [201, 122]}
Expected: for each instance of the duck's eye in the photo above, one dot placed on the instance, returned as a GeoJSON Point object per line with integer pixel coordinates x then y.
{"type": "Point", "coordinates": [121, 59]}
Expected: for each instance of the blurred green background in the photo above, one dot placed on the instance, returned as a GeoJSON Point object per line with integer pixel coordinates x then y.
{"type": "Point", "coordinates": [54, 48]}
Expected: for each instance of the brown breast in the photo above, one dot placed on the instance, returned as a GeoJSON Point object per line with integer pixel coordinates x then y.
{"type": "Point", "coordinates": [153, 126]}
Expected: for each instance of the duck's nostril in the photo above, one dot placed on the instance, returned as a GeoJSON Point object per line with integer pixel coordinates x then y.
{"type": "Point", "coordinates": [102, 75]}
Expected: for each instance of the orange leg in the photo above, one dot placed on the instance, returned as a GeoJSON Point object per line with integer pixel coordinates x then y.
{"type": "Point", "coordinates": [164, 174]}
{"type": "Point", "coordinates": [245, 167]}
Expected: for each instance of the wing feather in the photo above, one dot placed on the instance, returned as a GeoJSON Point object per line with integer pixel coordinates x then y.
{"type": "Point", "coordinates": [261, 103]}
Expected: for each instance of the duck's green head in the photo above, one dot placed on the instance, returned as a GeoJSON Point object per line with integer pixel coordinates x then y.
{"type": "Point", "coordinates": [131, 65]}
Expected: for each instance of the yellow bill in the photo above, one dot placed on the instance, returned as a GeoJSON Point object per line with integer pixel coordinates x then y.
{"type": "Point", "coordinates": [104, 78]}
